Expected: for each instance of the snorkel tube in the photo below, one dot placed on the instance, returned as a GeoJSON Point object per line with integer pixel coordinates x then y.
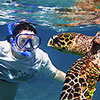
{"type": "Point", "coordinates": [24, 53]}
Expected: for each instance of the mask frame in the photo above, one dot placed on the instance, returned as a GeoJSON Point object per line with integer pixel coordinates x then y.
{"type": "Point", "coordinates": [29, 41]}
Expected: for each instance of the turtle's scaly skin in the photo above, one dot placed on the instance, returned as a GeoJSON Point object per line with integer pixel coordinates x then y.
{"type": "Point", "coordinates": [81, 78]}
{"type": "Point", "coordinates": [73, 43]}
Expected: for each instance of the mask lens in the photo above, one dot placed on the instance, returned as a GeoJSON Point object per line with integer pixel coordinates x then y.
{"type": "Point", "coordinates": [35, 42]}
{"type": "Point", "coordinates": [22, 40]}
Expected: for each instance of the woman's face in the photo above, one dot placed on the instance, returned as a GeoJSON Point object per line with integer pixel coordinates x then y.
{"type": "Point", "coordinates": [25, 40]}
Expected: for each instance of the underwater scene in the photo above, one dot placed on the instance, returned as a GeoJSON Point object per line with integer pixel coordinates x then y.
{"type": "Point", "coordinates": [54, 17]}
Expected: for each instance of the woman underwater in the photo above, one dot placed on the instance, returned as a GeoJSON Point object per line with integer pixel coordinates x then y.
{"type": "Point", "coordinates": [21, 59]}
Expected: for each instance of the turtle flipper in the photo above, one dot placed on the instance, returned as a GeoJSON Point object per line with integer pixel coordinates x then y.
{"type": "Point", "coordinates": [81, 79]}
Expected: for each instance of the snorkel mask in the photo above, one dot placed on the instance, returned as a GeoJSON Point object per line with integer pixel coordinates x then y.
{"type": "Point", "coordinates": [22, 42]}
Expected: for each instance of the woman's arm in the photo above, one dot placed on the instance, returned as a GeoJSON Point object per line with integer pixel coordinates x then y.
{"type": "Point", "coordinates": [48, 68]}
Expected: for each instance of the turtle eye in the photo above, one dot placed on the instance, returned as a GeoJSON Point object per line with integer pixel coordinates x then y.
{"type": "Point", "coordinates": [56, 40]}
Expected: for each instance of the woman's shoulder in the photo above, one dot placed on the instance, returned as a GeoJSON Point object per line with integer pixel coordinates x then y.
{"type": "Point", "coordinates": [4, 45]}
{"type": "Point", "coordinates": [40, 52]}
{"type": "Point", "coordinates": [42, 55]}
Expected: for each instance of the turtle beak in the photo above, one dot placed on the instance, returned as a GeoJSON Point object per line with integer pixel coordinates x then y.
{"type": "Point", "coordinates": [50, 42]}
{"type": "Point", "coordinates": [53, 41]}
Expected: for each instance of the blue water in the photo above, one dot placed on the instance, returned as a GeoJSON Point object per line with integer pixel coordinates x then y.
{"type": "Point", "coordinates": [42, 12]}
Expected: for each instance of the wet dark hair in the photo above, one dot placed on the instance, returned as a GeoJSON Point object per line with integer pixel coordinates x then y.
{"type": "Point", "coordinates": [20, 27]}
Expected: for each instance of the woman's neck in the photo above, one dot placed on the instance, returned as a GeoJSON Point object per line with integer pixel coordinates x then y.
{"type": "Point", "coordinates": [16, 55]}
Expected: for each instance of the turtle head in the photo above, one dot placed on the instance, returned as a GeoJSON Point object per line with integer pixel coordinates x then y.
{"type": "Point", "coordinates": [62, 42]}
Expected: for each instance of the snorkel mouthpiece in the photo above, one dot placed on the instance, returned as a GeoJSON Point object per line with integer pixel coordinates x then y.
{"type": "Point", "coordinates": [25, 53]}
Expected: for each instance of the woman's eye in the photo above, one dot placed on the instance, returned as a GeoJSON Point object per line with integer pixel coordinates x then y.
{"type": "Point", "coordinates": [22, 40]}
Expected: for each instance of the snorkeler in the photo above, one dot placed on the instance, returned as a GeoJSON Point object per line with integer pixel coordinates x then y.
{"type": "Point", "coordinates": [21, 59]}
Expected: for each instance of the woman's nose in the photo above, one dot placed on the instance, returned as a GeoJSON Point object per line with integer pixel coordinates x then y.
{"type": "Point", "coordinates": [28, 45]}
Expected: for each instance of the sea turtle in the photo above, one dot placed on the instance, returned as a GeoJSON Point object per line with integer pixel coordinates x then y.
{"type": "Point", "coordinates": [83, 75]}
